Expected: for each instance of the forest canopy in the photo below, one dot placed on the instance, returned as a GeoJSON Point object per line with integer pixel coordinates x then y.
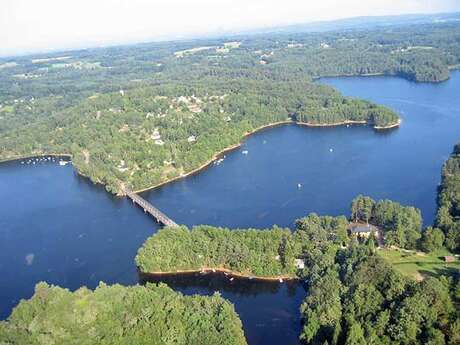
{"type": "Point", "coordinates": [448, 216]}
{"type": "Point", "coordinates": [151, 314]}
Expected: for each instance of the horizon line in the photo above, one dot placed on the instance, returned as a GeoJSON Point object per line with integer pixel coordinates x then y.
{"type": "Point", "coordinates": [211, 34]}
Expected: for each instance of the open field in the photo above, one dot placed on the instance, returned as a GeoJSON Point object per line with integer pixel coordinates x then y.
{"type": "Point", "coordinates": [419, 264]}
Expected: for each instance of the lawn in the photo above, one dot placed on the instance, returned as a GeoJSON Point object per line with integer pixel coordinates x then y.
{"type": "Point", "coordinates": [419, 264]}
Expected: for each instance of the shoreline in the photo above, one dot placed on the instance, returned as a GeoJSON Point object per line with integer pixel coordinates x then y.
{"type": "Point", "coordinates": [389, 126]}
{"type": "Point", "coordinates": [385, 74]}
{"type": "Point", "coordinates": [377, 74]}
{"type": "Point", "coordinates": [18, 158]}
{"type": "Point", "coordinates": [217, 154]}
{"type": "Point", "coordinates": [208, 270]}
{"type": "Point", "coordinates": [258, 129]}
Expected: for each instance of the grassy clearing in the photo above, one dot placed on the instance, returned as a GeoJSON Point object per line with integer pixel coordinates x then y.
{"type": "Point", "coordinates": [418, 264]}
{"type": "Point", "coordinates": [7, 109]}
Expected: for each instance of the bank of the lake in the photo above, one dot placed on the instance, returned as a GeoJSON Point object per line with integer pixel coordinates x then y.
{"type": "Point", "coordinates": [211, 270]}
{"type": "Point", "coordinates": [233, 147]}
{"type": "Point", "coordinates": [38, 155]}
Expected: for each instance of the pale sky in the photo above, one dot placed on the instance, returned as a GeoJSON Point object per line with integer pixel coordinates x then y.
{"type": "Point", "coordinates": [37, 25]}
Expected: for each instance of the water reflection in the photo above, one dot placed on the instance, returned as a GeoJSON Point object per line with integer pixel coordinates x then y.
{"type": "Point", "coordinates": [269, 310]}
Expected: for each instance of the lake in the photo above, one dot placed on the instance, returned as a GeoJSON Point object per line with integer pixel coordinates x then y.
{"type": "Point", "coordinates": [58, 227]}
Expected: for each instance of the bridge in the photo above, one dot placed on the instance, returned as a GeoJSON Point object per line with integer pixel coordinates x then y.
{"type": "Point", "coordinates": [149, 208]}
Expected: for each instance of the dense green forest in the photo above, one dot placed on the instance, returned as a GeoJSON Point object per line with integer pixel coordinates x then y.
{"type": "Point", "coordinates": [355, 297]}
{"type": "Point", "coordinates": [143, 114]}
{"type": "Point", "coordinates": [448, 217]}
{"type": "Point", "coordinates": [151, 314]}
{"type": "Point", "coordinates": [260, 253]}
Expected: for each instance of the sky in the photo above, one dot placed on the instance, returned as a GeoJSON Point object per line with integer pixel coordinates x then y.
{"type": "Point", "coordinates": [41, 25]}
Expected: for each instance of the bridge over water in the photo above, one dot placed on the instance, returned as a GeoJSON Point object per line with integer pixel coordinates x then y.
{"type": "Point", "coordinates": [149, 208]}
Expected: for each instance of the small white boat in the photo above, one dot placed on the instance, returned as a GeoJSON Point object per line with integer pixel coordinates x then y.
{"type": "Point", "coordinates": [299, 185]}
{"type": "Point", "coordinates": [231, 279]}
{"type": "Point", "coordinates": [331, 150]}
{"type": "Point", "coordinates": [213, 270]}
{"type": "Point", "coordinates": [281, 280]}
{"type": "Point", "coordinates": [245, 152]}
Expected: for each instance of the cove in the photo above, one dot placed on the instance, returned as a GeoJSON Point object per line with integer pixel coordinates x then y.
{"type": "Point", "coordinates": [333, 165]}
{"type": "Point", "coordinates": [58, 227]}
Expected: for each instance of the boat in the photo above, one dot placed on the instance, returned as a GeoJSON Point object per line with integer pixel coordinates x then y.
{"type": "Point", "coordinates": [331, 150]}
{"type": "Point", "coordinates": [231, 279]}
{"type": "Point", "coordinates": [281, 280]}
{"type": "Point", "coordinates": [299, 185]}
{"type": "Point", "coordinates": [62, 163]}
{"type": "Point", "coordinates": [245, 152]}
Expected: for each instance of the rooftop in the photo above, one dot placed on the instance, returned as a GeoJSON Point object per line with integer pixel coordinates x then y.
{"type": "Point", "coordinates": [361, 228]}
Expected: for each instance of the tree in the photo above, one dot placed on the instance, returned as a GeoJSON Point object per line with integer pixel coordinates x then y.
{"type": "Point", "coordinates": [432, 239]}
{"type": "Point", "coordinates": [355, 335]}
{"type": "Point", "coordinates": [361, 208]}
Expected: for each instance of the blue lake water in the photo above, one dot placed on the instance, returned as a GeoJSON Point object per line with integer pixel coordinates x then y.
{"type": "Point", "coordinates": [58, 227]}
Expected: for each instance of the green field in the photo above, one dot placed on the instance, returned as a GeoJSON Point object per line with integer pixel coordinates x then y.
{"type": "Point", "coordinates": [419, 264]}
{"type": "Point", "coordinates": [7, 109]}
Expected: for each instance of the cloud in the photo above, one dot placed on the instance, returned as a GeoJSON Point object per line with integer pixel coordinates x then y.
{"type": "Point", "coordinates": [31, 25]}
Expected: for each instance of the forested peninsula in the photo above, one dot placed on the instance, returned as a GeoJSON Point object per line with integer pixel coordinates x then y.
{"type": "Point", "coordinates": [147, 136]}
{"type": "Point", "coordinates": [272, 253]}
{"type": "Point", "coordinates": [141, 315]}
{"type": "Point", "coordinates": [145, 114]}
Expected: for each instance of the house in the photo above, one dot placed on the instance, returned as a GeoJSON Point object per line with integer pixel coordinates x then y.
{"type": "Point", "coordinates": [361, 230]}
{"type": "Point", "coordinates": [299, 263]}
{"type": "Point", "coordinates": [449, 258]}
{"type": "Point", "coordinates": [155, 135]}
